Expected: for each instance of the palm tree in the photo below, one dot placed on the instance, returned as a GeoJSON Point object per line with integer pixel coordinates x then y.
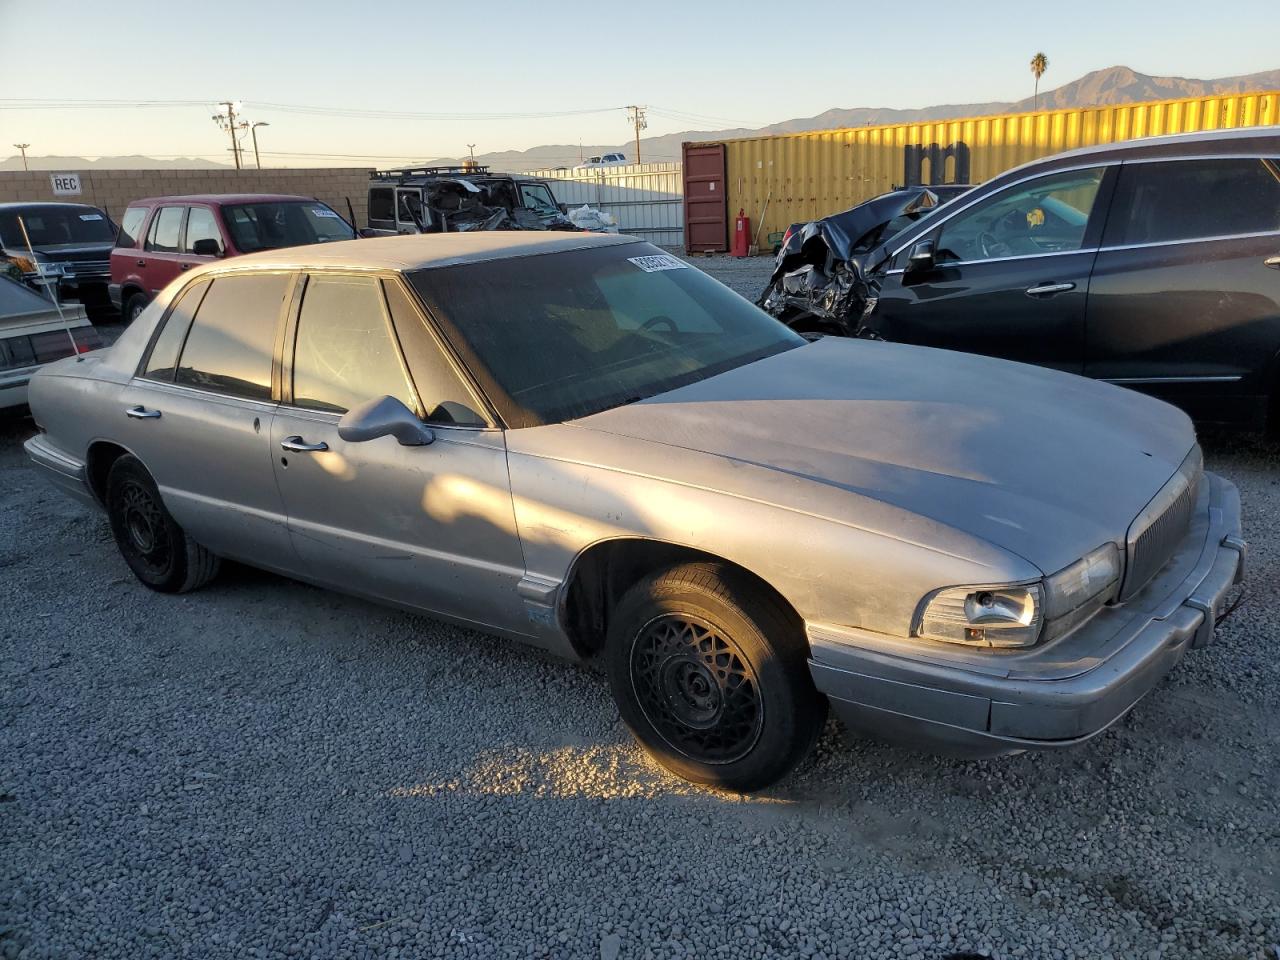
{"type": "Point", "coordinates": [1039, 64]}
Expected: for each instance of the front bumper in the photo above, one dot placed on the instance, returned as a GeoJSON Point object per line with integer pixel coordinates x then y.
{"type": "Point", "coordinates": [985, 702]}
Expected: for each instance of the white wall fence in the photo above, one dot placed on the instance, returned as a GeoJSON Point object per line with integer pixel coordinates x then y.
{"type": "Point", "coordinates": [647, 199]}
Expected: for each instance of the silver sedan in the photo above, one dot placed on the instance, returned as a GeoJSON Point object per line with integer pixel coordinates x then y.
{"type": "Point", "coordinates": [582, 443]}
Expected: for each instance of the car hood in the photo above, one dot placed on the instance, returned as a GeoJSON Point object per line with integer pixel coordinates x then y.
{"type": "Point", "coordinates": [1043, 464]}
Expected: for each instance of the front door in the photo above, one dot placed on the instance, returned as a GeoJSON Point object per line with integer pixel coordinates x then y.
{"type": "Point", "coordinates": [199, 417]}
{"type": "Point", "coordinates": [1010, 275]}
{"type": "Point", "coordinates": [430, 526]}
{"type": "Point", "coordinates": [1185, 302]}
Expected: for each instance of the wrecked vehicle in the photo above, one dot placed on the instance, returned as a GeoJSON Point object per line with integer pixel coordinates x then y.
{"type": "Point", "coordinates": [458, 200]}
{"type": "Point", "coordinates": [817, 283]}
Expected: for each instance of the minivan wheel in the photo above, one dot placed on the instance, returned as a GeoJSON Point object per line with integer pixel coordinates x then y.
{"type": "Point", "coordinates": [134, 306]}
{"type": "Point", "coordinates": [157, 550]}
{"type": "Point", "coordinates": [712, 677]}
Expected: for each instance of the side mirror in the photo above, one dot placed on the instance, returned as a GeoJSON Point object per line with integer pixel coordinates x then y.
{"type": "Point", "coordinates": [384, 417]}
{"type": "Point", "coordinates": [920, 257]}
{"type": "Point", "coordinates": [207, 248]}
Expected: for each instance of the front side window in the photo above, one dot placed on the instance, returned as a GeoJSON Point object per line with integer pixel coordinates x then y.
{"type": "Point", "coordinates": [162, 363]}
{"type": "Point", "coordinates": [1194, 199]}
{"type": "Point", "coordinates": [232, 340]}
{"type": "Point", "coordinates": [537, 197]}
{"type": "Point", "coordinates": [130, 226]}
{"type": "Point", "coordinates": [410, 207]}
{"type": "Point", "coordinates": [1047, 215]}
{"type": "Point", "coordinates": [290, 223]}
{"type": "Point", "coordinates": [343, 354]}
{"type": "Point", "coordinates": [166, 230]}
{"type": "Point", "coordinates": [560, 336]}
{"type": "Point", "coordinates": [381, 204]}
{"type": "Point", "coordinates": [202, 225]}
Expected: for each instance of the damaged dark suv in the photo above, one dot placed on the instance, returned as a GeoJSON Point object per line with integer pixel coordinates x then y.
{"type": "Point", "coordinates": [460, 199]}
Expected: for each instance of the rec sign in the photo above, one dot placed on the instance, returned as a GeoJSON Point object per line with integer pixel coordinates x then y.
{"type": "Point", "coordinates": [65, 184]}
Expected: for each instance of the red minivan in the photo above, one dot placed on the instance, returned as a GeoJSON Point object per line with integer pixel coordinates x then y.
{"type": "Point", "coordinates": [162, 236]}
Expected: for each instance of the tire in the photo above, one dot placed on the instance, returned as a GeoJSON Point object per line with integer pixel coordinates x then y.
{"type": "Point", "coordinates": [157, 550]}
{"type": "Point", "coordinates": [133, 306]}
{"type": "Point", "coordinates": [712, 677]}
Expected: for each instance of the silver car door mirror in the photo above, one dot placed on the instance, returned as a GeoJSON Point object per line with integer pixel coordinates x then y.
{"type": "Point", "coordinates": [384, 417]}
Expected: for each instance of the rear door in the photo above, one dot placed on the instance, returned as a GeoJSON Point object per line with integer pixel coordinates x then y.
{"type": "Point", "coordinates": [431, 526]}
{"type": "Point", "coordinates": [198, 415]}
{"type": "Point", "coordinates": [1010, 275]}
{"type": "Point", "coordinates": [162, 256]}
{"type": "Point", "coordinates": [1185, 298]}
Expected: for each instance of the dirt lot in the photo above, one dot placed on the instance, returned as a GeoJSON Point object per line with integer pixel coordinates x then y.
{"type": "Point", "coordinates": [263, 769]}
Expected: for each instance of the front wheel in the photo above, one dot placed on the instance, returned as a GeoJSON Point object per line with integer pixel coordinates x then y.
{"type": "Point", "coordinates": [712, 677]}
{"type": "Point", "coordinates": [157, 550]}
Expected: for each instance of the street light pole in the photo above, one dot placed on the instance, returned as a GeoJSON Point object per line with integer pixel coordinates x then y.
{"type": "Point", "coordinates": [23, 148]}
{"type": "Point", "coordinates": [253, 131]}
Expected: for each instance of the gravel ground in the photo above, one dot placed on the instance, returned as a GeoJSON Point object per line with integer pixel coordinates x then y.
{"type": "Point", "coordinates": [263, 769]}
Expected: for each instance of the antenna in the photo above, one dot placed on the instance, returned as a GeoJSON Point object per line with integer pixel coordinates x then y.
{"type": "Point", "coordinates": [75, 347]}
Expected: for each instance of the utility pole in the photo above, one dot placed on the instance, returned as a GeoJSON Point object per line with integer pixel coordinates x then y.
{"type": "Point", "coordinates": [228, 120]}
{"type": "Point", "coordinates": [253, 131]}
{"type": "Point", "coordinates": [635, 116]}
{"type": "Point", "coordinates": [472, 148]}
{"type": "Point", "coordinates": [23, 148]}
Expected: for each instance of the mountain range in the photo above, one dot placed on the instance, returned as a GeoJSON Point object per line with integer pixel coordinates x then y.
{"type": "Point", "coordinates": [1098, 88]}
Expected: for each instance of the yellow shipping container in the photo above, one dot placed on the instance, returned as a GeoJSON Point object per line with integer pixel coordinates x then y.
{"type": "Point", "coordinates": [804, 176]}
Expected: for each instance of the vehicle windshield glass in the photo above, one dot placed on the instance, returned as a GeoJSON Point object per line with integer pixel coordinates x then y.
{"type": "Point", "coordinates": [266, 226]}
{"type": "Point", "coordinates": [52, 226]}
{"type": "Point", "coordinates": [565, 335]}
{"type": "Point", "coordinates": [537, 198]}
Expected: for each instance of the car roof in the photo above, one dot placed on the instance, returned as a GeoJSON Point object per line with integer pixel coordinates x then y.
{"type": "Point", "coordinates": [1202, 143]}
{"type": "Point", "coordinates": [224, 198]}
{"type": "Point", "coordinates": [25, 204]}
{"type": "Point", "coordinates": [424, 251]}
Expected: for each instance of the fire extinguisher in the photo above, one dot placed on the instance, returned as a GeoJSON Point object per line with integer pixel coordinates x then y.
{"type": "Point", "coordinates": [741, 235]}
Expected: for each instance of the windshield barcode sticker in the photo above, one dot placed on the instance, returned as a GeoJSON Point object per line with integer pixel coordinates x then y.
{"type": "Point", "coordinates": [90, 216]}
{"type": "Point", "coordinates": [662, 261]}
{"type": "Point", "coordinates": [323, 213]}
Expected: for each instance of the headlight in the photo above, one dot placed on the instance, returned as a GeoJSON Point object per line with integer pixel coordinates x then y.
{"type": "Point", "coordinates": [1074, 594]}
{"type": "Point", "coordinates": [992, 616]}
{"type": "Point", "coordinates": [1016, 615]}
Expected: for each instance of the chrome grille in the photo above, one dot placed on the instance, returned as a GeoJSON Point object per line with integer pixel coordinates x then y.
{"type": "Point", "coordinates": [84, 268]}
{"type": "Point", "coordinates": [1162, 525]}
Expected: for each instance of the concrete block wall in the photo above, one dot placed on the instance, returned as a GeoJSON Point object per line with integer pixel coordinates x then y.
{"type": "Point", "coordinates": [113, 190]}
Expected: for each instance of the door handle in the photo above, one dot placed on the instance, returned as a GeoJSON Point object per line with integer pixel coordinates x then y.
{"type": "Point", "coordinates": [1273, 262]}
{"type": "Point", "coordinates": [186, 266]}
{"type": "Point", "coordinates": [141, 413]}
{"type": "Point", "coordinates": [1049, 289]}
{"type": "Point", "coordinates": [298, 445]}
{"type": "Point", "coordinates": [140, 263]}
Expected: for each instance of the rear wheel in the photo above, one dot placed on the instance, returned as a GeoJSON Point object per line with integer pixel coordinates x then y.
{"type": "Point", "coordinates": [712, 677]}
{"type": "Point", "coordinates": [157, 550]}
{"type": "Point", "coordinates": [134, 306]}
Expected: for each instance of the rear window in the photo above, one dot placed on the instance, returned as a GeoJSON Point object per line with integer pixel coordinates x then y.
{"type": "Point", "coordinates": [381, 204]}
{"type": "Point", "coordinates": [166, 230]}
{"type": "Point", "coordinates": [51, 225]}
{"type": "Point", "coordinates": [269, 226]}
{"type": "Point", "coordinates": [131, 227]}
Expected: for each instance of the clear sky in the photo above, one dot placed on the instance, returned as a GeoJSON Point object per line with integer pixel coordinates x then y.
{"type": "Point", "coordinates": [698, 64]}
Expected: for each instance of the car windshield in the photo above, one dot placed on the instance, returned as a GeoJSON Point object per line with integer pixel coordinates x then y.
{"type": "Point", "coordinates": [53, 226]}
{"type": "Point", "coordinates": [565, 335]}
{"type": "Point", "coordinates": [293, 223]}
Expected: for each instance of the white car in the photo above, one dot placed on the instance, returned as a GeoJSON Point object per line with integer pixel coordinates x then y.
{"type": "Point", "coordinates": [606, 160]}
{"type": "Point", "coordinates": [32, 334]}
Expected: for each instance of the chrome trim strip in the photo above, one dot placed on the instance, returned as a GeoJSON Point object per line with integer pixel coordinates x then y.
{"type": "Point", "coordinates": [1170, 243]}
{"type": "Point", "coordinates": [1233, 378]}
{"type": "Point", "coordinates": [1020, 256]}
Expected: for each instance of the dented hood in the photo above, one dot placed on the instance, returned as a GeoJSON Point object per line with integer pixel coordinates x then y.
{"type": "Point", "coordinates": [1044, 464]}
